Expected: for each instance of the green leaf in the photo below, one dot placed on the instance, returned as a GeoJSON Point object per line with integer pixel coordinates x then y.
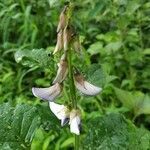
{"type": "Point", "coordinates": [95, 48]}
{"type": "Point", "coordinates": [67, 142]}
{"type": "Point", "coordinates": [136, 102]}
{"type": "Point", "coordinates": [98, 76]}
{"type": "Point", "coordinates": [113, 132]}
{"type": "Point", "coordinates": [145, 107]}
{"type": "Point", "coordinates": [146, 51]}
{"type": "Point", "coordinates": [19, 124]}
{"type": "Point", "coordinates": [38, 57]}
{"type": "Point", "coordinates": [113, 46]}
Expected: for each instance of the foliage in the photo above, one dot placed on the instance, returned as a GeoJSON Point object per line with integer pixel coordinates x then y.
{"type": "Point", "coordinates": [114, 132]}
{"type": "Point", "coordinates": [115, 55]}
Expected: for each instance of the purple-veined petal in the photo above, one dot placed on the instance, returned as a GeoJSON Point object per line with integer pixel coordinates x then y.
{"type": "Point", "coordinates": [49, 93]}
{"type": "Point", "coordinates": [86, 87]}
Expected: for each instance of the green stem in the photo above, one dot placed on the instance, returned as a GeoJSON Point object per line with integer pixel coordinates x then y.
{"type": "Point", "coordinates": [76, 142]}
{"type": "Point", "coordinates": [72, 91]}
{"type": "Point", "coordinates": [71, 81]}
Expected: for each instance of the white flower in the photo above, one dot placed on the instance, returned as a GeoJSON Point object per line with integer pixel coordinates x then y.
{"type": "Point", "coordinates": [86, 87]}
{"type": "Point", "coordinates": [59, 45]}
{"type": "Point", "coordinates": [62, 70]}
{"type": "Point", "coordinates": [60, 111]}
{"type": "Point", "coordinates": [49, 93]}
{"type": "Point", "coordinates": [75, 122]}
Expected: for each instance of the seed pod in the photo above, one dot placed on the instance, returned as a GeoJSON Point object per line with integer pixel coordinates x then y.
{"type": "Point", "coordinates": [62, 19]}
{"type": "Point", "coordinates": [75, 122]}
{"type": "Point", "coordinates": [59, 45]}
{"type": "Point", "coordinates": [86, 87]}
{"type": "Point", "coordinates": [62, 70]}
{"type": "Point", "coordinates": [49, 93]}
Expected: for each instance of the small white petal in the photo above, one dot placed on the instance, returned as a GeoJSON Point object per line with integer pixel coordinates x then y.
{"type": "Point", "coordinates": [86, 87]}
{"type": "Point", "coordinates": [75, 125]}
{"type": "Point", "coordinates": [49, 93]}
{"type": "Point", "coordinates": [60, 111]}
{"type": "Point", "coordinates": [75, 122]}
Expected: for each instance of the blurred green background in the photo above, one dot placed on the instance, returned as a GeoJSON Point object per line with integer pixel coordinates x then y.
{"type": "Point", "coordinates": [115, 56]}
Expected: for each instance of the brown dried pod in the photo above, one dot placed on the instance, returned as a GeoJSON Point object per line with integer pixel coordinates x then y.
{"type": "Point", "coordinates": [68, 36]}
{"type": "Point", "coordinates": [62, 19]}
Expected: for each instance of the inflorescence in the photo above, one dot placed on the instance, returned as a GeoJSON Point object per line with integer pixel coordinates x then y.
{"type": "Point", "coordinates": [67, 40]}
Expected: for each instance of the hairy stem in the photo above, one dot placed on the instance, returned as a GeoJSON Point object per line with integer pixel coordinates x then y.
{"type": "Point", "coordinates": [72, 91]}
{"type": "Point", "coordinates": [71, 81]}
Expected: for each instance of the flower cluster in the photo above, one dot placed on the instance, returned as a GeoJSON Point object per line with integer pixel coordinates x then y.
{"type": "Point", "coordinates": [67, 40]}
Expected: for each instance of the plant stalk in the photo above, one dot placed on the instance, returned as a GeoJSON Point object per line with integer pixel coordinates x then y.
{"type": "Point", "coordinates": [72, 92]}
{"type": "Point", "coordinates": [71, 82]}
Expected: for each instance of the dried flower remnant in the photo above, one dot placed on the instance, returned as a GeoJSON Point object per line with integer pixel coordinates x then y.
{"type": "Point", "coordinates": [59, 45]}
{"type": "Point", "coordinates": [67, 36]}
{"type": "Point", "coordinates": [49, 93]}
{"type": "Point", "coordinates": [62, 19]}
{"type": "Point", "coordinates": [60, 111]}
{"type": "Point", "coordinates": [62, 70]}
{"type": "Point", "coordinates": [86, 87]}
{"type": "Point", "coordinates": [67, 39]}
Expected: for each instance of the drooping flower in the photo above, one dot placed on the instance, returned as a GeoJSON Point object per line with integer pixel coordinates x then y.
{"type": "Point", "coordinates": [75, 121]}
{"type": "Point", "coordinates": [86, 87]}
{"type": "Point", "coordinates": [60, 111]}
{"type": "Point", "coordinates": [62, 19]}
{"type": "Point", "coordinates": [59, 45]}
{"type": "Point", "coordinates": [49, 93]}
{"type": "Point", "coordinates": [62, 70]}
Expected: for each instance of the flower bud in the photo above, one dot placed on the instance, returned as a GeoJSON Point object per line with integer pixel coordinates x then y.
{"type": "Point", "coordinates": [86, 87]}
{"type": "Point", "coordinates": [60, 111]}
{"type": "Point", "coordinates": [49, 93]}
{"type": "Point", "coordinates": [62, 70]}
{"type": "Point", "coordinates": [59, 45]}
{"type": "Point", "coordinates": [75, 122]}
{"type": "Point", "coordinates": [62, 19]}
